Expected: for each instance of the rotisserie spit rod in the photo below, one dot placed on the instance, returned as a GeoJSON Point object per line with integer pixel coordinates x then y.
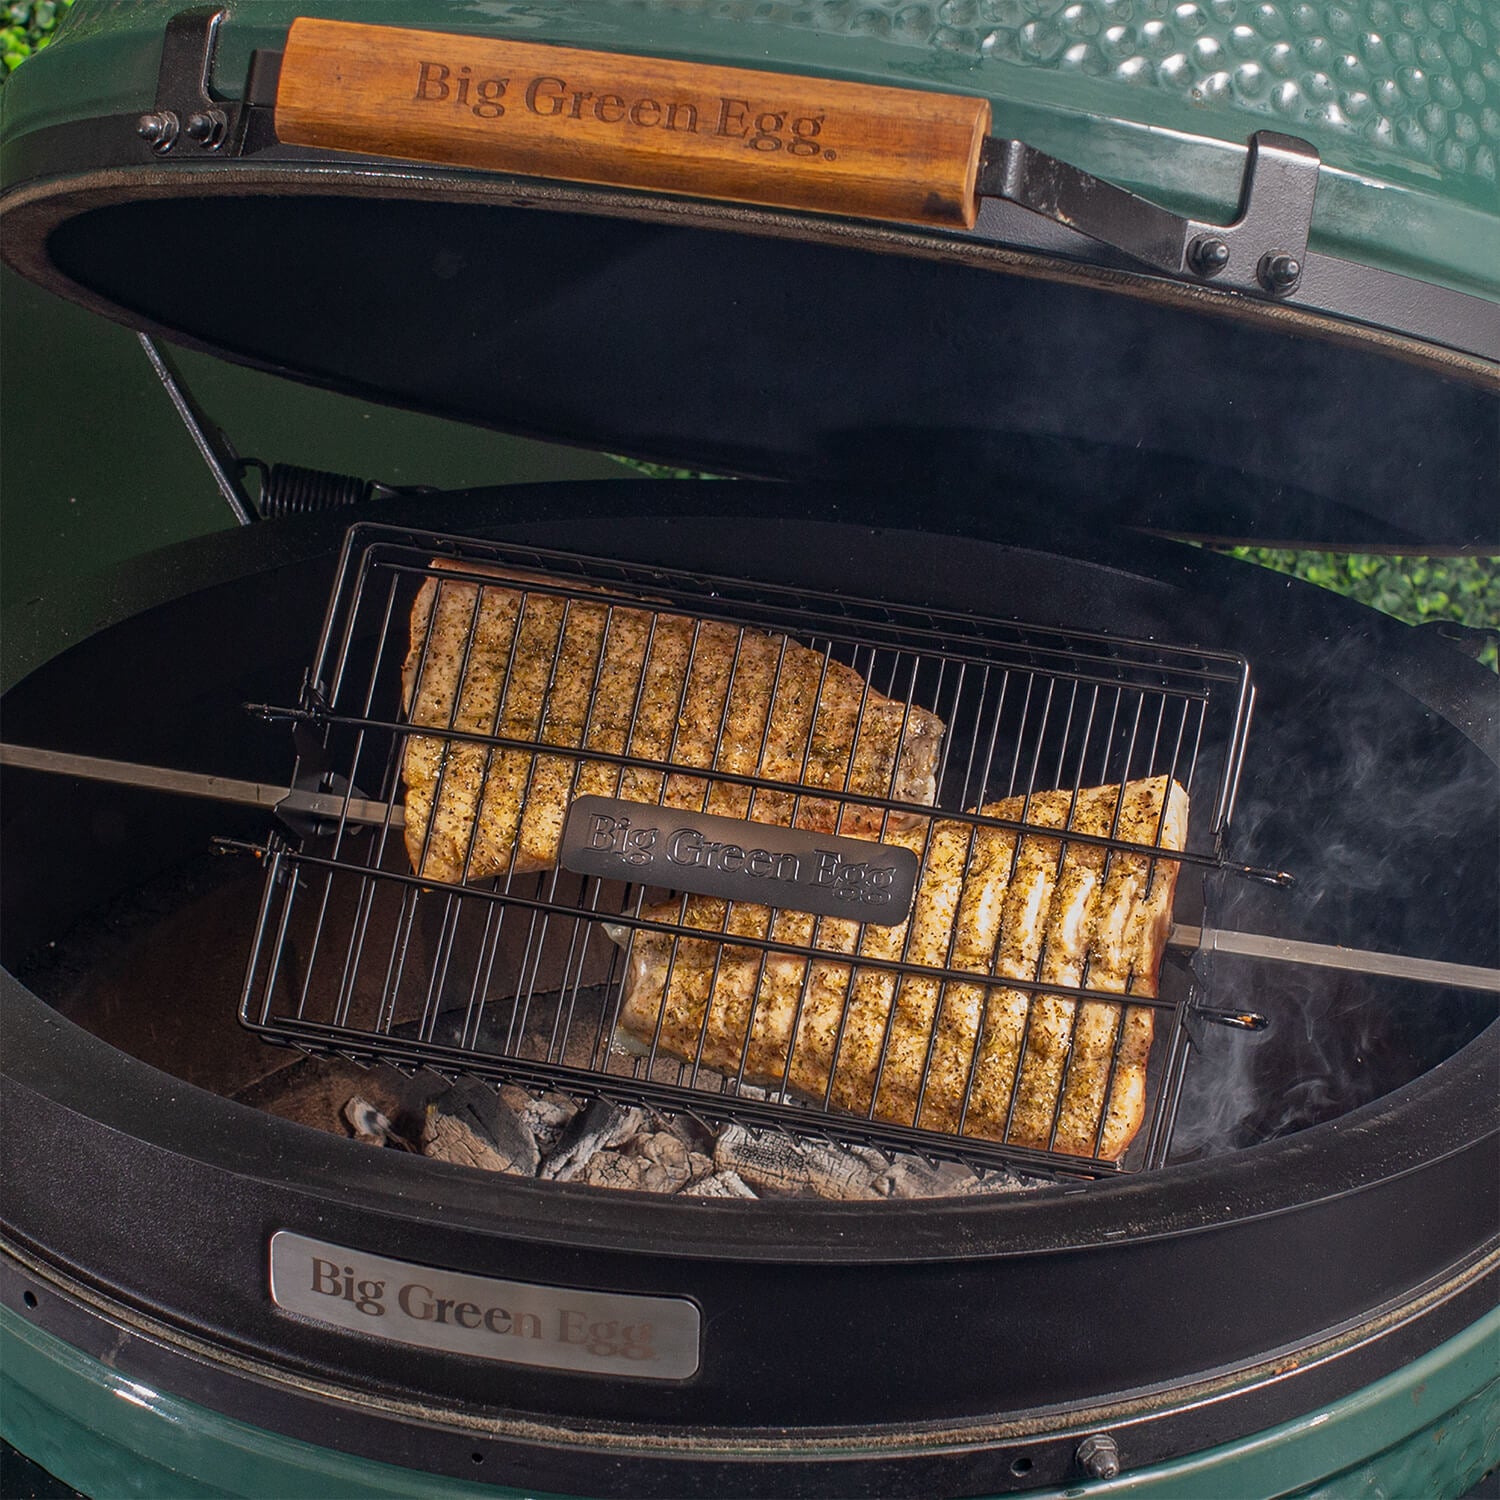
{"type": "Point", "coordinates": [284, 799]}
{"type": "Point", "coordinates": [1330, 956]}
{"type": "Point", "coordinates": [355, 809]}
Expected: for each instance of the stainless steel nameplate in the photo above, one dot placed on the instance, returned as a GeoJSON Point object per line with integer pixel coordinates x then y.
{"type": "Point", "coordinates": [823, 873]}
{"type": "Point", "coordinates": [518, 1322]}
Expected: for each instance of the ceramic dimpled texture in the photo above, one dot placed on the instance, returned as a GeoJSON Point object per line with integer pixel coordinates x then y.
{"type": "Point", "coordinates": [1411, 84]}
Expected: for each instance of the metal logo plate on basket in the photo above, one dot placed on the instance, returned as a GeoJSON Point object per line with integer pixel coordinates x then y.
{"type": "Point", "coordinates": [789, 868]}
{"type": "Point", "coordinates": [520, 1322]}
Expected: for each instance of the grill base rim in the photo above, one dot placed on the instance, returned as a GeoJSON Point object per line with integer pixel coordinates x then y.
{"type": "Point", "coordinates": [1013, 1455]}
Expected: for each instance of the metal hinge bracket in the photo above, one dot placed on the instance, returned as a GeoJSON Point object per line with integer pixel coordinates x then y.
{"type": "Point", "coordinates": [1261, 251]}
{"type": "Point", "coordinates": [186, 117]}
{"type": "Point", "coordinates": [188, 120]}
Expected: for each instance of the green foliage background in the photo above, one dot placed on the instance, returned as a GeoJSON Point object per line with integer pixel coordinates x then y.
{"type": "Point", "coordinates": [1414, 589]}
{"type": "Point", "coordinates": [28, 27]}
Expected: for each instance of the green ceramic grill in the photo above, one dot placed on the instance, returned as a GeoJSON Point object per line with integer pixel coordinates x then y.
{"type": "Point", "coordinates": [998, 311]}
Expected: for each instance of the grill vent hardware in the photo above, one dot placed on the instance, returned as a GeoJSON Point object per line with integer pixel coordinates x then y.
{"type": "Point", "coordinates": [522, 978]}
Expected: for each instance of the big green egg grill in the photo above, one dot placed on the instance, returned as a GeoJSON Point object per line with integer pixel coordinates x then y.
{"type": "Point", "coordinates": [999, 312]}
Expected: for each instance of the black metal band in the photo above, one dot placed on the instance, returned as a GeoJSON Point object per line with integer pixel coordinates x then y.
{"type": "Point", "coordinates": [1330, 294]}
{"type": "Point", "coordinates": [610, 1459]}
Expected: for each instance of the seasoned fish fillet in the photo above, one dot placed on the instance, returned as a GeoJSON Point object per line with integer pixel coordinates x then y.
{"type": "Point", "coordinates": [595, 674]}
{"type": "Point", "coordinates": [979, 1060]}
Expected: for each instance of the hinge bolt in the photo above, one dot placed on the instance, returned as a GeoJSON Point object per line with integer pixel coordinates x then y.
{"type": "Point", "coordinates": [1280, 272]}
{"type": "Point", "coordinates": [158, 128]}
{"type": "Point", "coordinates": [204, 126]}
{"type": "Point", "coordinates": [1098, 1456]}
{"type": "Point", "coordinates": [1208, 254]}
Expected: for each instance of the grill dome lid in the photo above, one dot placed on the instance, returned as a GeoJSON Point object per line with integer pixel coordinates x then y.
{"type": "Point", "coordinates": [1014, 361]}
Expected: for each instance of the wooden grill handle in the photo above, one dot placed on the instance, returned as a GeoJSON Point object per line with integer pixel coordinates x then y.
{"type": "Point", "coordinates": [776, 139]}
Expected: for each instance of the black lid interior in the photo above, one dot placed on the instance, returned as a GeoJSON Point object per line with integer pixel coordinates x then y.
{"type": "Point", "coordinates": [757, 354]}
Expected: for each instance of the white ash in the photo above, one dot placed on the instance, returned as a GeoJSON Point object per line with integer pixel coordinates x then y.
{"type": "Point", "coordinates": [546, 1116]}
{"type": "Point", "coordinates": [664, 1149]}
{"type": "Point", "coordinates": [474, 1125]}
{"type": "Point", "coordinates": [653, 1162]}
{"type": "Point", "coordinates": [781, 1165]}
{"type": "Point", "coordinates": [600, 1127]}
{"type": "Point", "coordinates": [774, 1163]}
{"type": "Point", "coordinates": [620, 1169]}
{"type": "Point", "coordinates": [668, 1162]}
{"type": "Point", "coordinates": [718, 1185]}
{"type": "Point", "coordinates": [695, 1134]}
{"type": "Point", "coordinates": [548, 1135]}
{"type": "Point", "coordinates": [911, 1177]}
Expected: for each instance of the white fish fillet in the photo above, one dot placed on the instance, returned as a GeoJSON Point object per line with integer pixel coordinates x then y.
{"type": "Point", "coordinates": [587, 675]}
{"type": "Point", "coordinates": [945, 1055]}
